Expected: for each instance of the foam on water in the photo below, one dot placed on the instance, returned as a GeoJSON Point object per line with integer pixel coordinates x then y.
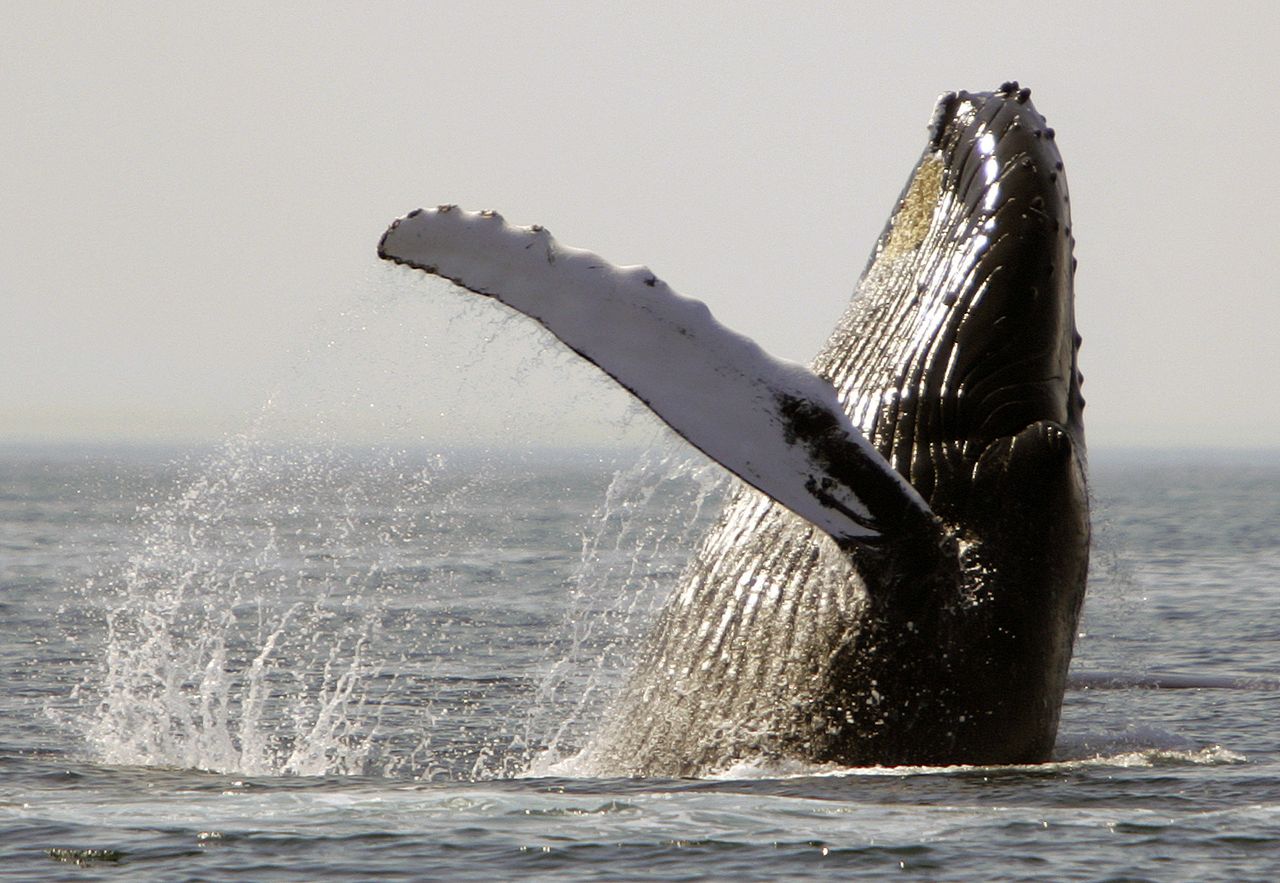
{"type": "Point", "coordinates": [1149, 757]}
{"type": "Point", "coordinates": [1135, 746]}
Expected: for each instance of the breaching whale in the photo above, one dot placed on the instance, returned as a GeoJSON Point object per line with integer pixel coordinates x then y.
{"type": "Point", "coordinates": [901, 577]}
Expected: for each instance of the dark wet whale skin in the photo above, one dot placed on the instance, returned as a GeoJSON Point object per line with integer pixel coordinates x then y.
{"type": "Point", "coordinates": [945, 643]}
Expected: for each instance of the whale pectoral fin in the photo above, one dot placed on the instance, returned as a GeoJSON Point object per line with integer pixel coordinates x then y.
{"type": "Point", "coordinates": [774, 424]}
{"type": "Point", "coordinates": [1029, 493]}
{"type": "Point", "coordinates": [1044, 461]}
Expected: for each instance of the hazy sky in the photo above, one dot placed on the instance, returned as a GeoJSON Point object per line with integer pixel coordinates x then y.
{"type": "Point", "coordinates": [191, 195]}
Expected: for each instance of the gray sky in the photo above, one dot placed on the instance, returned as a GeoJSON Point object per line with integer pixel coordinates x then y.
{"type": "Point", "coordinates": [191, 195]}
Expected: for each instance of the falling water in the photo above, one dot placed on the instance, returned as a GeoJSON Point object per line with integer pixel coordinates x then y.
{"type": "Point", "coordinates": [645, 530]}
{"type": "Point", "coordinates": [309, 611]}
{"type": "Point", "coordinates": [239, 630]}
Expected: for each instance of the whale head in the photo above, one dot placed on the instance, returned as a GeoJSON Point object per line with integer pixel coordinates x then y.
{"type": "Point", "coordinates": [957, 358]}
{"type": "Point", "coordinates": [963, 330]}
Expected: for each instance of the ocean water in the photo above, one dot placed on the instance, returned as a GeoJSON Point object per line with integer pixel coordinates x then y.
{"type": "Point", "coordinates": [314, 663]}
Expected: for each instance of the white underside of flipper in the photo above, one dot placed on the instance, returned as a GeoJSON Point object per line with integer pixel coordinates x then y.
{"type": "Point", "coordinates": [716, 388]}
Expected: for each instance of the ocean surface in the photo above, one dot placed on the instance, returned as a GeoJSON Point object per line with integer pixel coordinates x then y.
{"type": "Point", "coordinates": [335, 664]}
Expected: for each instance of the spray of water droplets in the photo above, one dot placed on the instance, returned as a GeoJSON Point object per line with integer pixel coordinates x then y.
{"type": "Point", "coordinates": [242, 631]}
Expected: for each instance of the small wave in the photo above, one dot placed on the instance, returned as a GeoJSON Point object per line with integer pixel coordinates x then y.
{"type": "Point", "coordinates": [1211, 755]}
{"type": "Point", "coordinates": [1116, 680]}
{"type": "Point", "coordinates": [1139, 745]}
{"type": "Point", "coordinates": [610, 808]}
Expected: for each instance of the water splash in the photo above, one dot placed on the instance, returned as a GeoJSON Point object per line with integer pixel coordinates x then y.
{"type": "Point", "coordinates": [645, 531]}
{"type": "Point", "coordinates": [239, 632]}
{"type": "Point", "coordinates": [317, 610]}
{"type": "Point", "coordinates": [312, 609]}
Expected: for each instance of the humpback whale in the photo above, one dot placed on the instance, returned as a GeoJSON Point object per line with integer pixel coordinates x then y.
{"type": "Point", "coordinates": [900, 577]}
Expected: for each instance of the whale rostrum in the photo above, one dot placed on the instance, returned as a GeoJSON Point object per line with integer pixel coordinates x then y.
{"type": "Point", "coordinates": [900, 578]}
